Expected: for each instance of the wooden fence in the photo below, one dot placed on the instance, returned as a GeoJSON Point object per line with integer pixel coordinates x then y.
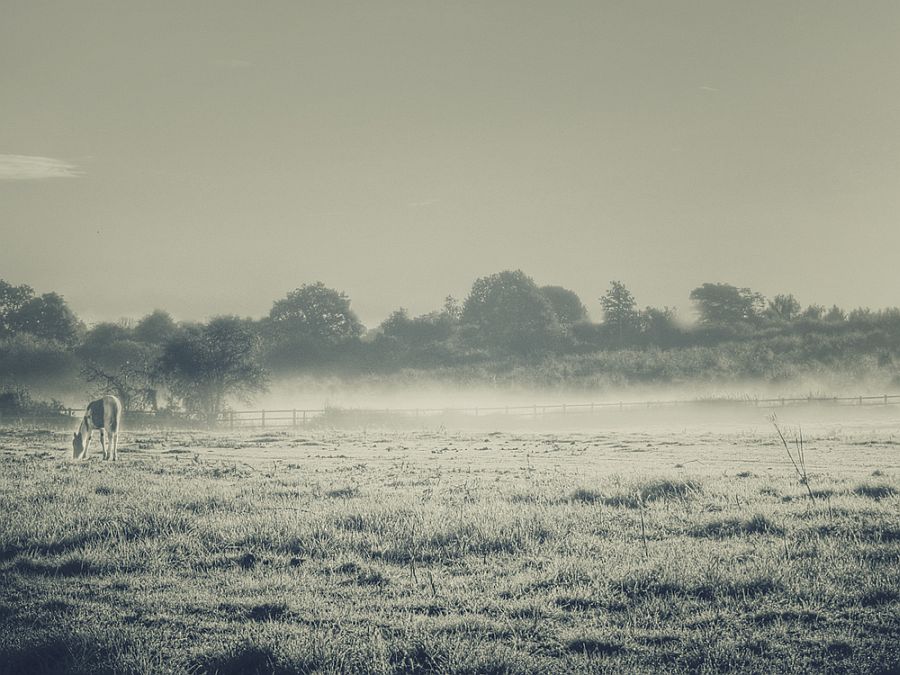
{"type": "Point", "coordinates": [300, 417]}
{"type": "Point", "coordinates": [295, 418]}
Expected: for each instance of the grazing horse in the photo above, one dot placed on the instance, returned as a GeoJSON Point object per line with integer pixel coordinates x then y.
{"type": "Point", "coordinates": [104, 414]}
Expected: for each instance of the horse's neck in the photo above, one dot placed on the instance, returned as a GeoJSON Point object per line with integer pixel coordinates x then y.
{"type": "Point", "coordinates": [86, 426]}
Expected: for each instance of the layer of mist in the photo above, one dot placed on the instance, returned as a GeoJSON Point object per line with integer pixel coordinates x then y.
{"type": "Point", "coordinates": [378, 394]}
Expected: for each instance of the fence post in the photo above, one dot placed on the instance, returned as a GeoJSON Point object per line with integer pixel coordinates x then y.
{"type": "Point", "coordinates": [885, 399]}
{"type": "Point", "coordinates": [263, 418]}
{"type": "Point", "coordinates": [564, 409]}
{"type": "Point", "coordinates": [231, 419]}
{"type": "Point", "coordinates": [294, 418]}
{"type": "Point", "coordinates": [860, 400]}
{"type": "Point", "coordinates": [476, 412]}
{"type": "Point", "coordinates": [304, 418]}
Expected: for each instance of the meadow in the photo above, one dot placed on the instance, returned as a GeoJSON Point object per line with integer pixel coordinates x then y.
{"type": "Point", "coordinates": [642, 549]}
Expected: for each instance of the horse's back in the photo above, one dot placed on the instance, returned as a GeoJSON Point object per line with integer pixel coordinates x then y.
{"type": "Point", "coordinates": [105, 413]}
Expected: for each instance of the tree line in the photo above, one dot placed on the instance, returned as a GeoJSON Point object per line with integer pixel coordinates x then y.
{"type": "Point", "coordinates": [506, 316]}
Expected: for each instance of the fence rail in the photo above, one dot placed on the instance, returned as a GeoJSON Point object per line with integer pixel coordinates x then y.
{"type": "Point", "coordinates": [299, 417]}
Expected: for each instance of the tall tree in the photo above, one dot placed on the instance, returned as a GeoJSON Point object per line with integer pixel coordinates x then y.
{"type": "Point", "coordinates": [156, 328]}
{"type": "Point", "coordinates": [114, 362]}
{"type": "Point", "coordinates": [452, 309]}
{"type": "Point", "coordinates": [620, 314]}
{"type": "Point", "coordinates": [836, 314]}
{"type": "Point", "coordinates": [784, 307]}
{"type": "Point", "coordinates": [47, 317]}
{"type": "Point", "coordinates": [507, 311]}
{"type": "Point", "coordinates": [813, 312]}
{"type": "Point", "coordinates": [658, 326]}
{"type": "Point", "coordinates": [566, 304]}
{"type": "Point", "coordinates": [206, 366]}
{"type": "Point", "coordinates": [309, 323]}
{"type": "Point", "coordinates": [726, 304]}
{"type": "Point", "coordinates": [418, 331]}
{"type": "Point", "coordinates": [12, 298]}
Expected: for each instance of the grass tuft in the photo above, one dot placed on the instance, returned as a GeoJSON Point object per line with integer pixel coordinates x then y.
{"type": "Point", "coordinates": [342, 493]}
{"type": "Point", "coordinates": [419, 657]}
{"type": "Point", "coordinates": [57, 650]}
{"type": "Point", "coordinates": [876, 492]}
{"type": "Point", "coordinates": [268, 611]}
{"type": "Point", "coordinates": [659, 490]}
{"type": "Point", "coordinates": [246, 658]}
{"type": "Point", "coordinates": [72, 566]}
{"type": "Point", "coordinates": [878, 597]}
{"type": "Point", "coordinates": [586, 496]}
{"type": "Point", "coordinates": [575, 603]}
{"type": "Point", "coordinates": [595, 646]}
{"type": "Point", "coordinates": [731, 527]}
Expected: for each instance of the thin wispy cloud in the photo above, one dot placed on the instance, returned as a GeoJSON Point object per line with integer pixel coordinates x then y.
{"type": "Point", "coordinates": [26, 167]}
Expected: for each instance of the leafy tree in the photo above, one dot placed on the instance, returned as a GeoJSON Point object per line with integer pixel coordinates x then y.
{"type": "Point", "coordinates": [396, 324]}
{"type": "Point", "coordinates": [12, 298]}
{"type": "Point", "coordinates": [783, 307]}
{"type": "Point", "coordinates": [156, 328]}
{"type": "Point", "coordinates": [16, 401]}
{"type": "Point", "coordinates": [131, 382]}
{"type": "Point", "coordinates": [507, 311]}
{"type": "Point", "coordinates": [814, 312]}
{"type": "Point", "coordinates": [310, 323]}
{"type": "Point", "coordinates": [726, 304]}
{"type": "Point", "coordinates": [452, 308]}
{"type": "Point", "coordinates": [620, 315]}
{"type": "Point", "coordinates": [115, 363]}
{"type": "Point", "coordinates": [48, 317]}
{"type": "Point", "coordinates": [566, 304]}
{"type": "Point", "coordinates": [860, 315]}
{"type": "Point", "coordinates": [418, 331]}
{"type": "Point", "coordinates": [836, 314]}
{"type": "Point", "coordinates": [102, 335]}
{"type": "Point", "coordinates": [658, 325]}
{"type": "Point", "coordinates": [426, 341]}
{"type": "Point", "coordinates": [37, 362]}
{"type": "Point", "coordinates": [205, 366]}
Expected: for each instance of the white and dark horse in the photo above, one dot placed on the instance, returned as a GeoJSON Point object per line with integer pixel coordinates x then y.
{"type": "Point", "coordinates": [104, 414]}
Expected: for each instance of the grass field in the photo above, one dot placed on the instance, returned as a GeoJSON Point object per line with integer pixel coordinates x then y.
{"type": "Point", "coordinates": [680, 550]}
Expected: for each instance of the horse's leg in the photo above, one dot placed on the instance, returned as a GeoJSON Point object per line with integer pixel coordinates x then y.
{"type": "Point", "coordinates": [114, 444]}
{"type": "Point", "coordinates": [104, 445]}
{"type": "Point", "coordinates": [87, 444]}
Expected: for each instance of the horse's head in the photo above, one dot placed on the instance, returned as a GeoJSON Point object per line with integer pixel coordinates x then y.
{"type": "Point", "coordinates": [77, 445]}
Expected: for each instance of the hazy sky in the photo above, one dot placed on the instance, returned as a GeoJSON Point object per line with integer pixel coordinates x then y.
{"type": "Point", "coordinates": [208, 157]}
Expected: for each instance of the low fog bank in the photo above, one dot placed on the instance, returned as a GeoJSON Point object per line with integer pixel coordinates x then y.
{"type": "Point", "coordinates": [397, 393]}
{"type": "Point", "coordinates": [695, 419]}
